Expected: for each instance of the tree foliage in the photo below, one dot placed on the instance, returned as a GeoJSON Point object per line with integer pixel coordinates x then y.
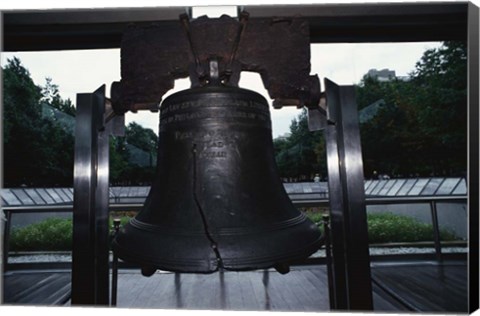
{"type": "Point", "coordinates": [441, 106]}
{"type": "Point", "coordinates": [420, 131]}
{"type": "Point", "coordinates": [143, 138]}
{"type": "Point", "coordinates": [119, 165]}
{"type": "Point", "coordinates": [51, 95]}
{"type": "Point", "coordinates": [123, 170]}
{"type": "Point", "coordinates": [300, 156]}
{"type": "Point", "coordinates": [37, 151]}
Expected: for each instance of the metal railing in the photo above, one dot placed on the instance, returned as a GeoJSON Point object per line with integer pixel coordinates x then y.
{"type": "Point", "coordinates": [303, 202]}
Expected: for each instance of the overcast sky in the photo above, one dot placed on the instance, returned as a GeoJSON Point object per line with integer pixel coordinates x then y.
{"type": "Point", "coordinates": [84, 71]}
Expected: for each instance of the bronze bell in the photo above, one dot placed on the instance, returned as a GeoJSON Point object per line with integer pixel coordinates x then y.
{"type": "Point", "coordinates": [217, 201]}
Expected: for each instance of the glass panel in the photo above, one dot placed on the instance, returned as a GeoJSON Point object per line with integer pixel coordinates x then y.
{"type": "Point", "coordinates": [447, 186]}
{"type": "Point", "coordinates": [66, 195]}
{"type": "Point", "coordinates": [10, 198]}
{"type": "Point", "coordinates": [323, 189]}
{"type": "Point", "coordinates": [297, 188]}
{"type": "Point", "coordinates": [368, 183]}
{"type": "Point", "coordinates": [144, 191]}
{"type": "Point", "coordinates": [418, 187]}
{"type": "Point", "coordinates": [381, 184]}
{"type": "Point", "coordinates": [54, 195]}
{"type": "Point", "coordinates": [132, 192]}
{"type": "Point", "coordinates": [35, 196]}
{"type": "Point", "coordinates": [453, 217]}
{"type": "Point", "coordinates": [432, 186]}
{"type": "Point", "coordinates": [115, 191]}
{"type": "Point", "coordinates": [288, 187]}
{"type": "Point", "coordinates": [32, 236]}
{"type": "Point", "coordinates": [45, 196]}
{"type": "Point", "coordinates": [386, 187]}
{"type": "Point", "coordinates": [461, 188]}
{"type": "Point", "coordinates": [317, 186]}
{"type": "Point", "coordinates": [61, 195]}
{"type": "Point", "coordinates": [23, 197]}
{"type": "Point", "coordinates": [123, 191]}
{"type": "Point", "coordinates": [399, 223]}
{"type": "Point", "coordinates": [406, 187]}
{"type": "Point", "coordinates": [307, 188]}
{"type": "Point", "coordinates": [396, 186]}
{"type": "Point", "coordinates": [372, 187]}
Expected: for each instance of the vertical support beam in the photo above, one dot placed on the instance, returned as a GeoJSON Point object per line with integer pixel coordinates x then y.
{"type": "Point", "coordinates": [326, 232]}
{"type": "Point", "coordinates": [2, 218]}
{"type": "Point", "coordinates": [90, 274]}
{"type": "Point", "coordinates": [351, 260]}
{"type": "Point", "coordinates": [4, 231]}
{"type": "Point", "coordinates": [102, 244]}
{"type": "Point", "coordinates": [113, 298]}
{"type": "Point", "coordinates": [473, 154]}
{"type": "Point", "coordinates": [337, 231]}
{"type": "Point", "coordinates": [436, 230]}
{"type": "Point", "coordinates": [6, 225]}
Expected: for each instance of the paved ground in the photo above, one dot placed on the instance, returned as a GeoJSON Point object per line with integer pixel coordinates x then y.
{"type": "Point", "coordinates": [426, 286]}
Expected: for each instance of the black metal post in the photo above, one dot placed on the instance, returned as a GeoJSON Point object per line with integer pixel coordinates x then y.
{"type": "Point", "coordinates": [90, 255]}
{"type": "Point", "coordinates": [328, 255]}
{"type": "Point", "coordinates": [339, 282]}
{"type": "Point", "coordinates": [473, 153]}
{"type": "Point", "coordinates": [2, 267]}
{"type": "Point", "coordinates": [114, 280]}
{"type": "Point", "coordinates": [436, 230]}
{"type": "Point", "coordinates": [116, 227]}
{"type": "Point", "coordinates": [89, 280]}
{"type": "Point", "coordinates": [351, 260]}
{"type": "Point", "coordinates": [6, 238]}
{"type": "Point", "coordinates": [102, 243]}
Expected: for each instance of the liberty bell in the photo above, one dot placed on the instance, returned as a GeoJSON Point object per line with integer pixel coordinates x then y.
{"type": "Point", "coordinates": [217, 201]}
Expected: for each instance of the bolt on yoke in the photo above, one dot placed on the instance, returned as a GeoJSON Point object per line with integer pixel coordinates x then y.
{"type": "Point", "coordinates": [203, 72]}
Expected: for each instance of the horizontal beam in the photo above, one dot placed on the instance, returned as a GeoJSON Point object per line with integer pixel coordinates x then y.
{"type": "Point", "coordinates": [296, 202]}
{"type": "Point", "coordinates": [394, 22]}
{"type": "Point", "coordinates": [43, 30]}
{"type": "Point", "coordinates": [38, 30]}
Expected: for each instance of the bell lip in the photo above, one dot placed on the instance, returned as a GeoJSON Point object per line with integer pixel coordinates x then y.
{"type": "Point", "coordinates": [185, 266]}
{"type": "Point", "coordinates": [196, 265]}
{"type": "Point", "coordinates": [248, 264]}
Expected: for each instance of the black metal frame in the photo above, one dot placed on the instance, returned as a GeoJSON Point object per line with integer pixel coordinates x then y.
{"type": "Point", "coordinates": [75, 29]}
{"type": "Point", "coordinates": [91, 244]}
{"type": "Point", "coordinates": [351, 261]}
{"type": "Point", "coordinates": [329, 23]}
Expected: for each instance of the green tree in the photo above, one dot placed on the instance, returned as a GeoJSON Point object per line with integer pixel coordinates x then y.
{"type": "Point", "coordinates": [123, 169]}
{"type": "Point", "coordinates": [120, 168]}
{"type": "Point", "coordinates": [440, 104]}
{"type": "Point", "coordinates": [143, 138]}
{"type": "Point", "coordinates": [36, 151]}
{"type": "Point", "coordinates": [301, 155]}
{"type": "Point", "coordinates": [383, 143]}
{"type": "Point", "coordinates": [51, 95]}
{"type": "Point", "coordinates": [422, 128]}
{"type": "Point", "coordinates": [20, 98]}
